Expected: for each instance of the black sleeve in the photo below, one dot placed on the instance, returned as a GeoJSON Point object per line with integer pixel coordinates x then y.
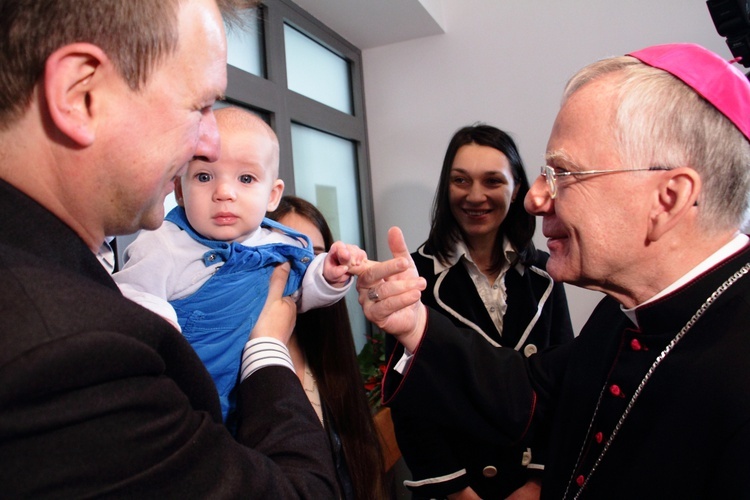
{"type": "Point", "coordinates": [562, 330]}
{"type": "Point", "coordinates": [487, 392]}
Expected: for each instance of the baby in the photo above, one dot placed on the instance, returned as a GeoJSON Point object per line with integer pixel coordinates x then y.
{"type": "Point", "coordinates": [207, 268]}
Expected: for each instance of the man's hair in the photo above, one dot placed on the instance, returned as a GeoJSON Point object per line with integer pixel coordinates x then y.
{"type": "Point", "coordinates": [136, 35]}
{"type": "Point", "coordinates": [661, 121]}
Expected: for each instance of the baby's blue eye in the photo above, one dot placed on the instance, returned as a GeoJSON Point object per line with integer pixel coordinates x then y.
{"type": "Point", "coordinates": [246, 179]}
{"type": "Point", "coordinates": [203, 177]}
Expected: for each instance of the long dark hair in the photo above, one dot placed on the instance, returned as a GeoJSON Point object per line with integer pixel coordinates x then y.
{"type": "Point", "coordinates": [325, 336]}
{"type": "Point", "coordinates": [518, 226]}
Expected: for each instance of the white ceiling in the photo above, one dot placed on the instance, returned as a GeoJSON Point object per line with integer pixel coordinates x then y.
{"type": "Point", "coordinates": [373, 23]}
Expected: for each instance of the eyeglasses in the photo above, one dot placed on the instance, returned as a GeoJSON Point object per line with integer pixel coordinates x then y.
{"type": "Point", "coordinates": [551, 175]}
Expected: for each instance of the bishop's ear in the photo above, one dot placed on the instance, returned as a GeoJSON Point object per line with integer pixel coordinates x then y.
{"type": "Point", "coordinates": [676, 198]}
{"type": "Point", "coordinates": [72, 78]}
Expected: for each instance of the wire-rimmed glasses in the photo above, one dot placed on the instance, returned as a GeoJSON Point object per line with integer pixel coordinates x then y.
{"type": "Point", "coordinates": [551, 175]}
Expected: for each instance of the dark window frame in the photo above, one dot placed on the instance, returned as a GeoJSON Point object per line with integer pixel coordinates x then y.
{"type": "Point", "coordinates": [271, 97]}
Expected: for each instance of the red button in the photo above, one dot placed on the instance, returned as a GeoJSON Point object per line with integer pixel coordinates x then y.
{"type": "Point", "coordinates": [614, 389]}
{"type": "Point", "coordinates": [635, 345]}
{"type": "Point", "coordinates": [579, 480]}
{"type": "Point", "coordinates": [599, 437]}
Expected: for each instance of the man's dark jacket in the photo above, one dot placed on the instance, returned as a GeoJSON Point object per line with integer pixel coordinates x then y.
{"type": "Point", "coordinates": [100, 397]}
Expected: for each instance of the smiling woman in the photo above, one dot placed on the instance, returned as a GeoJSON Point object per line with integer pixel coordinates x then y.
{"type": "Point", "coordinates": [482, 272]}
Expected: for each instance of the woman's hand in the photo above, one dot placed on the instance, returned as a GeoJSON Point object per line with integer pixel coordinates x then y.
{"type": "Point", "coordinates": [389, 293]}
{"type": "Point", "coordinates": [529, 491]}
{"type": "Point", "coordinates": [279, 314]}
{"type": "Point", "coordinates": [466, 494]}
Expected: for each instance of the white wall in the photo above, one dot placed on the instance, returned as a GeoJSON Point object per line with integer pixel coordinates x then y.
{"type": "Point", "coordinates": [503, 62]}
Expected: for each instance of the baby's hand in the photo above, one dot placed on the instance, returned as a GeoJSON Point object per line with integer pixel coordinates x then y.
{"type": "Point", "coordinates": [343, 260]}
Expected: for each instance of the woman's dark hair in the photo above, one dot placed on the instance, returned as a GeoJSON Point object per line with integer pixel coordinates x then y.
{"type": "Point", "coordinates": [325, 336]}
{"type": "Point", "coordinates": [518, 226]}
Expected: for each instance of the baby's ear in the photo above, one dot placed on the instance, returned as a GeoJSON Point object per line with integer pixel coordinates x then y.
{"type": "Point", "coordinates": [277, 191]}
{"type": "Point", "coordinates": [178, 192]}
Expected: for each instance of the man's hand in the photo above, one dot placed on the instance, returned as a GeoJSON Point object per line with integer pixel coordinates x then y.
{"type": "Point", "coordinates": [279, 314]}
{"type": "Point", "coordinates": [389, 293]}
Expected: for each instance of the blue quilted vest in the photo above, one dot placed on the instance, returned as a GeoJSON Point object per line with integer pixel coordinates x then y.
{"type": "Point", "coordinates": [217, 319]}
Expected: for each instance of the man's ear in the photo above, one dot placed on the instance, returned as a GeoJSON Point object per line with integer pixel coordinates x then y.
{"type": "Point", "coordinates": [71, 75]}
{"type": "Point", "coordinates": [677, 195]}
{"type": "Point", "coordinates": [275, 197]}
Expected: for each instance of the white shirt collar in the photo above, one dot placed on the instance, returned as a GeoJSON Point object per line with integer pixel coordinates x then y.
{"type": "Point", "coordinates": [106, 255]}
{"type": "Point", "coordinates": [735, 245]}
{"type": "Point", "coordinates": [462, 250]}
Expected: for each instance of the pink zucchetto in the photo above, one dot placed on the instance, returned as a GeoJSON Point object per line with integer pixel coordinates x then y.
{"type": "Point", "coordinates": [713, 78]}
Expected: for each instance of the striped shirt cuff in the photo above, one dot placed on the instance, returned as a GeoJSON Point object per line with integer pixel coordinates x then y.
{"type": "Point", "coordinates": [264, 351]}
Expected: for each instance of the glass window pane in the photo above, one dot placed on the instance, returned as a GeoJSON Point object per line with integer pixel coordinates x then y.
{"type": "Point", "coordinates": [316, 72]}
{"type": "Point", "coordinates": [245, 46]}
{"type": "Point", "coordinates": [325, 174]}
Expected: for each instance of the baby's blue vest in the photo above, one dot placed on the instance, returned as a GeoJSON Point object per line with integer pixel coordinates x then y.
{"type": "Point", "coordinates": [217, 319]}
